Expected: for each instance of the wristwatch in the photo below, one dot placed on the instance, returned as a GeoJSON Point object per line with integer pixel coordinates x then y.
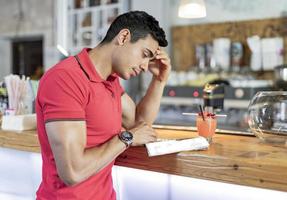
{"type": "Point", "coordinates": [126, 137]}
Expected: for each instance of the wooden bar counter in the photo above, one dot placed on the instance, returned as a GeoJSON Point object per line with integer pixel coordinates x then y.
{"type": "Point", "coordinates": [242, 160]}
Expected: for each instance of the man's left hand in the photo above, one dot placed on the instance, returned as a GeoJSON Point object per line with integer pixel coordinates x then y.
{"type": "Point", "coordinates": [160, 66]}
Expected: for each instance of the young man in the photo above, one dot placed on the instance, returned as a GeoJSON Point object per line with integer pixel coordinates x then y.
{"type": "Point", "coordinates": [81, 109]}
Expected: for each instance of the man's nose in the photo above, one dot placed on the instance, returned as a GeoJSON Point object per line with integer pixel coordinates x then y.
{"type": "Point", "coordinates": [144, 66]}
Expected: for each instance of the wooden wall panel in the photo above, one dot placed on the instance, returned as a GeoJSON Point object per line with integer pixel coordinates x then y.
{"type": "Point", "coordinates": [185, 38]}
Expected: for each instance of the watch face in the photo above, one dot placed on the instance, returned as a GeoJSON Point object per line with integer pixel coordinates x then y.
{"type": "Point", "coordinates": [127, 136]}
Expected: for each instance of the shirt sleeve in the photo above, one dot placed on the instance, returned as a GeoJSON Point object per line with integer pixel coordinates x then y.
{"type": "Point", "coordinates": [62, 97]}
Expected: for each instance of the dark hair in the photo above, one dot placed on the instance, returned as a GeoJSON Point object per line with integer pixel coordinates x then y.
{"type": "Point", "coordinates": [140, 24]}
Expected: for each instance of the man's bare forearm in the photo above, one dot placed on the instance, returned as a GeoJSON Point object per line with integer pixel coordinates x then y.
{"type": "Point", "coordinates": [147, 109]}
{"type": "Point", "coordinates": [87, 163]}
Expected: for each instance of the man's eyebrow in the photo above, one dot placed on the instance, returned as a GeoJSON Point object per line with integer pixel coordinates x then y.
{"type": "Point", "coordinates": [151, 54]}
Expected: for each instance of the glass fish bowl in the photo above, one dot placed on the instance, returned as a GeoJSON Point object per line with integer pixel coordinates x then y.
{"type": "Point", "coordinates": [267, 116]}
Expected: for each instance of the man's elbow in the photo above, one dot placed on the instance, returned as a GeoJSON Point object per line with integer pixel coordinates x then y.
{"type": "Point", "coordinates": [70, 179]}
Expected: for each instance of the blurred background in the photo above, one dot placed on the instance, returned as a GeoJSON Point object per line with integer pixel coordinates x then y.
{"type": "Point", "coordinates": [238, 44]}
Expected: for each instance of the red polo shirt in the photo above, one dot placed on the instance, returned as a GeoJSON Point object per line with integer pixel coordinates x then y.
{"type": "Point", "coordinates": [70, 91]}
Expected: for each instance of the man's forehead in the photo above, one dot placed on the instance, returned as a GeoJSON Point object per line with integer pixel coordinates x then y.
{"type": "Point", "coordinates": [152, 48]}
{"type": "Point", "coordinates": [151, 42]}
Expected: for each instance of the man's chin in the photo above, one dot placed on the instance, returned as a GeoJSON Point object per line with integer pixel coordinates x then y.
{"type": "Point", "coordinates": [125, 76]}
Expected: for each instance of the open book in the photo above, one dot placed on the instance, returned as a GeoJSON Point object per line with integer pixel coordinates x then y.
{"type": "Point", "coordinates": [173, 146]}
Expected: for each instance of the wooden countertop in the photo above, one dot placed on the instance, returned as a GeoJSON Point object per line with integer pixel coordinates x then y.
{"type": "Point", "coordinates": [242, 160]}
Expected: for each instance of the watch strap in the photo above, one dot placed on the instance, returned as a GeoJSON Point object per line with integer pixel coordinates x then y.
{"type": "Point", "coordinates": [123, 141]}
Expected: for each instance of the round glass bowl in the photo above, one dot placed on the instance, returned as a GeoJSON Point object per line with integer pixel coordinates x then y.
{"type": "Point", "coordinates": [267, 116]}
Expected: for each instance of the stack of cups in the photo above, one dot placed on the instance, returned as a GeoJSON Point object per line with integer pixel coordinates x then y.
{"type": "Point", "coordinates": [221, 50]}
{"type": "Point", "coordinates": [272, 52]}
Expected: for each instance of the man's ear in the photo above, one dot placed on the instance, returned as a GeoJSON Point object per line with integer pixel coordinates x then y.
{"type": "Point", "coordinates": [123, 36]}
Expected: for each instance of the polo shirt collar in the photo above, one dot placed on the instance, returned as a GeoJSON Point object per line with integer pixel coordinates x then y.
{"type": "Point", "coordinates": [90, 69]}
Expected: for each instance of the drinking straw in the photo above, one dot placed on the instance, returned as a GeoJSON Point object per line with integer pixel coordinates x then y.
{"type": "Point", "coordinates": [201, 111]}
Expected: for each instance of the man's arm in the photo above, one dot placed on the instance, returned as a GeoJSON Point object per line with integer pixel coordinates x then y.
{"type": "Point", "coordinates": [128, 112]}
{"type": "Point", "coordinates": [74, 162]}
{"type": "Point", "coordinates": [148, 107]}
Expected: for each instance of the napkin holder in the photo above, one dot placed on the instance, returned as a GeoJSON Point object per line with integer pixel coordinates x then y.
{"type": "Point", "coordinates": [19, 122]}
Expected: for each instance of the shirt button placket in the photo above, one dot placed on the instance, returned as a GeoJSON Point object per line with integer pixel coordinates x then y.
{"type": "Point", "coordinates": [109, 87]}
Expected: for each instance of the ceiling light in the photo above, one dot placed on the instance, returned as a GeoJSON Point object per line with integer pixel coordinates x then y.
{"type": "Point", "coordinates": [192, 9]}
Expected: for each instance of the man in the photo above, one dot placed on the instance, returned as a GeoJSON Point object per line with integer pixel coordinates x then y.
{"type": "Point", "coordinates": [81, 109]}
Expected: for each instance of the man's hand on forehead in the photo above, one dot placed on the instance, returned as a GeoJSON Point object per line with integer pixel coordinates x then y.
{"type": "Point", "coordinates": [155, 54]}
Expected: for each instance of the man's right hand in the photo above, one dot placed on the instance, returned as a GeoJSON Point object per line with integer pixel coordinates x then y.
{"type": "Point", "coordinates": [142, 134]}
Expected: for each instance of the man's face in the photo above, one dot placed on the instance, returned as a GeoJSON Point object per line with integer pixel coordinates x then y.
{"type": "Point", "coordinates": [133, 58]}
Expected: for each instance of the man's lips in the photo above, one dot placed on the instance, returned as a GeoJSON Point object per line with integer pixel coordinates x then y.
{"type": "Point", "coordinates": [136, 71]}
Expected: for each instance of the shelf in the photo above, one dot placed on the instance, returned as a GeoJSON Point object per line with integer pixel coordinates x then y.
{"type": "Point", "coordinates": [94, 8]}
{"type": "Point", "coordinates": [88, 25]}
{"type": "Point", "coordinates": [188, 101]}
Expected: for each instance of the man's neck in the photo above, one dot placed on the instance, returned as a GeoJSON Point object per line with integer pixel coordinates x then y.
{"type": "Point", "coordinates": [101, 59]}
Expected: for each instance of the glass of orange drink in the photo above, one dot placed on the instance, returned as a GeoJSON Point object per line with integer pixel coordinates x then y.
{"type": "Point", "coordinates": [206, 125]}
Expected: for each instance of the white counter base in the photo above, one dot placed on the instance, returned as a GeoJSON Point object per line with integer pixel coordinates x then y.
{"type": "Point", "coordinates": [20, 175]}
